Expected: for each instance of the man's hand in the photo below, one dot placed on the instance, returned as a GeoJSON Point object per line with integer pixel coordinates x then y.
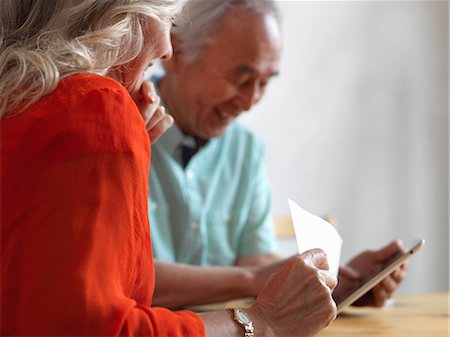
{"type": "Point", "coordinates": [363, 265]}
{"type": "Point", "coordinates": [156, 120]}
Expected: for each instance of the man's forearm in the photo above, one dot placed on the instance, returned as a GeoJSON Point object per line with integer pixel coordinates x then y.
{"type": "Point", "coordinates": [179, 285]}
{"type": "Point", "coordinates": [258, 260]}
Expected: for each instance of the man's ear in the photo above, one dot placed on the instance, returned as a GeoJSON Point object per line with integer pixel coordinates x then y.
{"type": "Point", "coordinates": [172, 64]}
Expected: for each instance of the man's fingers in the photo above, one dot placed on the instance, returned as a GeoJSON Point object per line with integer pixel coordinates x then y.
{"type": "Point", "coordinates": [349, 272]}
{"type": "Point", "coordinates": [389, 284]}
{"type": "Point", "coordinates": [399, 274]}
{"type": "Point", "coordinates": [380, 295]}
{"type": "Point", "coordinates": [389, 250]}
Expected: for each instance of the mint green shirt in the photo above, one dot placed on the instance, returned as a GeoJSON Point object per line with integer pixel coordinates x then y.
{"type": "Point", "coordinates": [216, 209]}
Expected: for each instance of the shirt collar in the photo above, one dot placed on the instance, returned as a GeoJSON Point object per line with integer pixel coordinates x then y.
{"type": "Point", "coordinates": [174, 138]}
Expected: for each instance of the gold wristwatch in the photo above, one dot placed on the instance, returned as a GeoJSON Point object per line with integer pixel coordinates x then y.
{"type": "Point", "coordinates": [244, 320]}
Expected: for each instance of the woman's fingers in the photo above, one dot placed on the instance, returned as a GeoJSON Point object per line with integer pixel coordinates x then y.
{"type": "Point", "coordinates": [159, 129]}
{"type": "Point", "coordinates": [328, 279]}
{"type": "Point", "coordinates": [155, 118]}
{"type": "Point", "coordinates": [149, 92]}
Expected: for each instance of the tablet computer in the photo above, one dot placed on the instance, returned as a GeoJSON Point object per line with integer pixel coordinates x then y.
{"type": "Point", "coordinates": [378, 276]}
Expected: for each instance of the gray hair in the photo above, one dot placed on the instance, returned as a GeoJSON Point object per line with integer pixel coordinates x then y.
{"type": "Point", "coordinates": [44, 41]}
{"type": "Point", "coordinates": [200, 18]}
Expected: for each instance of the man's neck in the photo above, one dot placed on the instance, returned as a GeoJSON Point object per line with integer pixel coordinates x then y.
{"type": "Point", "coordinates": [168, 96]}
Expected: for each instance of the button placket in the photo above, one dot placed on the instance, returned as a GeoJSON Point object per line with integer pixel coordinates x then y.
{"type": "Point", "coordinates": [194, 201]}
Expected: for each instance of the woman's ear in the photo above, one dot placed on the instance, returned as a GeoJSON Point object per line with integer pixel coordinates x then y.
{"type": "Point", "coordinates": [172, 64]}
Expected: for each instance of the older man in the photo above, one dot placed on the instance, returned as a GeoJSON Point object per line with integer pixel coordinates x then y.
{"type": "Point", "coordinates": [210, 199]}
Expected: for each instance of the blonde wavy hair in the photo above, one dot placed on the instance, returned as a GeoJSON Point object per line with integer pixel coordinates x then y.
{"type": "Point", "coordinates": [44, 41]}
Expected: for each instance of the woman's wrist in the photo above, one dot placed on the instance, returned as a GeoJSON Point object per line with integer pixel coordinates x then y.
{"type": "Point", "coordinates": [261, 323]}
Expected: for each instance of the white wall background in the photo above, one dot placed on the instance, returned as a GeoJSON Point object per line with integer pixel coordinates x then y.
{"type": "Point", "coordinates": [356, 125]}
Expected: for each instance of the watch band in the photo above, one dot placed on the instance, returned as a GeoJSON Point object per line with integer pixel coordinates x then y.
{"type": "Point", "coordinates": [243, 320]}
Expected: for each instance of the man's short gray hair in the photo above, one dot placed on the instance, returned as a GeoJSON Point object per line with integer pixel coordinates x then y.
{"type": "Point", "coordinates": [200, 18]}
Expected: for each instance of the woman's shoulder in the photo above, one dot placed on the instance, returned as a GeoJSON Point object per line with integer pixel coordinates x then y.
{"type": "Point", "coordinates": [98, 107]}
{"type": "Point", "coordinates": [83, 95]}
{"type": "Point", "coordinates": [90, 80]}
{"type": "Point", "coordinates": [90, 95]}
{"type": "Point", "coordinates": [82, 83]}
{"type": "Point", "coordinates": [85, 111]}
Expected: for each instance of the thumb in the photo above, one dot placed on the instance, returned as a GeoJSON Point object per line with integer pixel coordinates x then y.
{"type": "Point", "coordinates": [317, 258]}
{"type": "Point", "coordinates": [389, 250]}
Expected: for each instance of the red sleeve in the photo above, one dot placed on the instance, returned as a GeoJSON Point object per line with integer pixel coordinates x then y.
{"type": "Point", "coordinates": [76, 254]}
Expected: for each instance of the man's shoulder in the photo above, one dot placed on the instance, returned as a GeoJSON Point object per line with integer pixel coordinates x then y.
{"type": "Point", "coordinates": [241, 141]}
{"type": "Point", "coordinates": [240, 133]}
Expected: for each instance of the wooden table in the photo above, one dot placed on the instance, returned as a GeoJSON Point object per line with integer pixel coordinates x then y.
{"type": "Point", "coordinates": [409, 316]}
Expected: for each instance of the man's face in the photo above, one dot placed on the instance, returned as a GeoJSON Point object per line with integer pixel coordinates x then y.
{"type": "Point", "coordinates": [229, 75]}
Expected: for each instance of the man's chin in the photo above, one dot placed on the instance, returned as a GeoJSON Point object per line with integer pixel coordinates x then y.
{"type": "Point", "coordinates": [217, 132]}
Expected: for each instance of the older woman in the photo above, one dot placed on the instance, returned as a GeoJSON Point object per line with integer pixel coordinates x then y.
{"type": "Point", "coordinates": [76, 256]}
{"type": "Point", "coordinates": [75, 243]}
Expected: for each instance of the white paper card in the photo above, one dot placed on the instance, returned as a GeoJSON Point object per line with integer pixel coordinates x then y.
{"type": "Point", "coordinates": [312, 231]}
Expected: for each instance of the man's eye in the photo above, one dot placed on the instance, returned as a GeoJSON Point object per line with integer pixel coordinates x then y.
{"type": "Point", "coordinates": [244, 80]}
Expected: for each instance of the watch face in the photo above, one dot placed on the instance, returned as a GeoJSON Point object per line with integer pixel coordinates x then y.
{"type": "Point", "coordinates": [242, 317]}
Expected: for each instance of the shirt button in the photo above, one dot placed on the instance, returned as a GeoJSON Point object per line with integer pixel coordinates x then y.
{"type": "Point", "coordinates": [194, 225]}
{"type": "Point", "coordinates": [190, 175]}
{"type": "Point", "coordinates": [153, 206]}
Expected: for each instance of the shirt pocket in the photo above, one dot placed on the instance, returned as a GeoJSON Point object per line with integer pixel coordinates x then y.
{"type": "Point", "coordinates": [224, 232]}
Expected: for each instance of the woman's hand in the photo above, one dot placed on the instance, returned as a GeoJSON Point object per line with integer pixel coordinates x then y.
{"type": "Point", "coordinates": [297, 301]}
{"type": "Point", "coordinates": [156, 120]}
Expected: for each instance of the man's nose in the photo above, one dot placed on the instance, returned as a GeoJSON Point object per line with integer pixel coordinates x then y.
{"type": "Point", "coordinates": [249, 96]}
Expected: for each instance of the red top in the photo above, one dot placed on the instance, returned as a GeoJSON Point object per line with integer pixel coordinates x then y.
{"type": "Point", "coordinates": [75, 240]}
